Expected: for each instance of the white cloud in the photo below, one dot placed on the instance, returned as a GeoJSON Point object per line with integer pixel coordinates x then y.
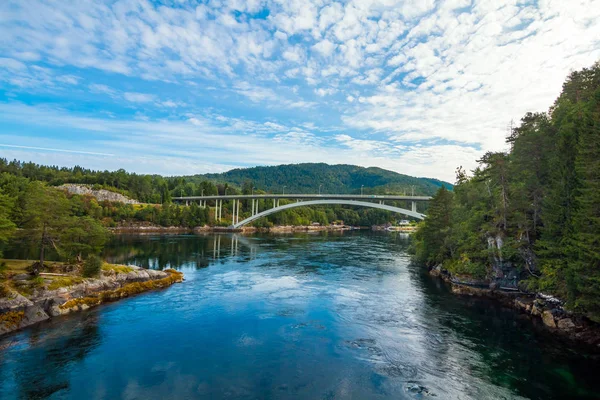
{"type": "Point", "coordinates": [325, 91]}
{"type": "Point", "coordinates": [324, 47]}
{"type": "Point", "coordinates": [138, 97]}
{"type": "Point", "coordinates": [99, 88]}
{"type": "Point", "coordinates": [140, 145]}
{"type": "Point", "coordinates": [413, 74]}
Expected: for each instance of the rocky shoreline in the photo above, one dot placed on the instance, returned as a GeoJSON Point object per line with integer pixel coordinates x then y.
{"type": "Point", "coordinates": [18, 311]}
{"type": "Point", "coordinates": [548, 310]}
{"type": "Point", "coordinates": [151, 229]}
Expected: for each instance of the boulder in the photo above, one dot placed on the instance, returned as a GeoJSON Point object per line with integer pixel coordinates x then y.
{"type": "Point", "coordinates": [33, 314]}
{"type": "Point", "coordinates": [14, 301]}
{"type": "Point", "coordinates": [565, 324]}
{"type": "Point", "coordinates": [522, 304]}
{"type": "Point", "coordinates": [156, 274]}
{"type": "Point", "coordinates": [17, 312]}
{"type": "Point", "coordinates": [53, 306]}
{"type": "Point", "coordinates": [548, 319]}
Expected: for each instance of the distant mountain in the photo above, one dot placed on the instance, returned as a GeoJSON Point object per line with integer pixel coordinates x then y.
{"type": "Point", "coordinates": [306, 178]}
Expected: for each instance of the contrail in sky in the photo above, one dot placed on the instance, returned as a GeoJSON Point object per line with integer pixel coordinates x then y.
{"type": "Point", "coordinates": [59, 150]}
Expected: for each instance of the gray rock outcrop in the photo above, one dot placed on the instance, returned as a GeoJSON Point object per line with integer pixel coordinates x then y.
{"type": "Point", "coordinates": [100, 195]}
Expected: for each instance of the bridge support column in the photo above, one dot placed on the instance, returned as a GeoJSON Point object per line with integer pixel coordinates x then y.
{"type": "Point", "coordinates": [277, 202]}
{"type": "Point", "coordinates": [233, 216]}
{"type": "Point", "coordinates": [237, 218]}
{"type": "Point", "coordinates": [414, 206]}
{"type": "Point", "coordinates": [256, 212]}
{"type": "Point", "coordinates": [252, 212]}
{"type": "Point", "coordinates": [274, 203]}
{"type": "Point", "coordinates": [220, 210]}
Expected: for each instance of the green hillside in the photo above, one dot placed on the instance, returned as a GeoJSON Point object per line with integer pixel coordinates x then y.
{"type": "Point", "coordinates": [306, 178]}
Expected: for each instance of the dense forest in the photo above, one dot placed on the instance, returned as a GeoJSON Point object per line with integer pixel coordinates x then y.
{"type": "Point", "coordinates": [530, 216]}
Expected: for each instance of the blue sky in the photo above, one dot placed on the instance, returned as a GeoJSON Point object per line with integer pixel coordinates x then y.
{"type": "Point", "coordinates": [184, 87]}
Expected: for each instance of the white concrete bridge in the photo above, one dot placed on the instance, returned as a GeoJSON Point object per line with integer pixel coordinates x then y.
{"type": "Point", "coordinates": [303, 200]}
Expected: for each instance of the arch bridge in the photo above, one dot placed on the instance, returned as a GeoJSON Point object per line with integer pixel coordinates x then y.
{"type": "Point", "coordinates": [302, 200]}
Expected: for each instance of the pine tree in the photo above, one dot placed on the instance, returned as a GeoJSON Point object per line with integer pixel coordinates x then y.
{"type": "Point", "coordinates": [432, 236]}
{"type": "Point", "coordinates": [583, 245]}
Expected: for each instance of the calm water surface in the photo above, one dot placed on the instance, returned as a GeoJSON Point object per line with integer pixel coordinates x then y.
{"type": "Point", "coordinates": [296, 316]}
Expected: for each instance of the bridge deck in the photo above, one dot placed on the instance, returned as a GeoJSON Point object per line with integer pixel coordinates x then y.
{"type": "Point", "coordinates": [306, 197]}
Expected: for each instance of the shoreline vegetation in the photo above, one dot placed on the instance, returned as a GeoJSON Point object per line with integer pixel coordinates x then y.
{"type": "Point", "coordinates": [156, 229]}
{"type": "Point", "coordinates": [524, 226]}
{"type": "Point", "coordinates": [27, 299]}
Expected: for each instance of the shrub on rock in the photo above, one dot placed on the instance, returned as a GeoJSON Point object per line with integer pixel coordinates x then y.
{"type": "Point", "coordinates": [92, 266]}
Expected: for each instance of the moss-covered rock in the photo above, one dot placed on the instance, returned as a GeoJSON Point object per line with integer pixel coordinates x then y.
{"type": "Point", "coordinates": [11, 320]}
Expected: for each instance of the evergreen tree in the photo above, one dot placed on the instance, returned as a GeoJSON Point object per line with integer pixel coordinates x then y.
{"type": "Point", "coordinates": [45, 214]}
{"type": "Point", "coordinates": [583, 245]}
{"type": "Point", "coordinates": [431, 240]}
{"type": "Point", "coordinates": [7, 227]}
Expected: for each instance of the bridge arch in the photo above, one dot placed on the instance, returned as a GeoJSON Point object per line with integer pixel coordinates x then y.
{"type": "Point", "coordinates": [270, 211]}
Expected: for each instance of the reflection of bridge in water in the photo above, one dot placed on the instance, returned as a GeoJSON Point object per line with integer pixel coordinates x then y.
{"type": "Point", "coordinates": [302, 200]}
{"type": "Point", "coordinates": [237, 242]}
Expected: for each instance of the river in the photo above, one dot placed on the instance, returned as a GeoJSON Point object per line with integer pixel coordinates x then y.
{"type": "Point", "coordinates": [302, 316]}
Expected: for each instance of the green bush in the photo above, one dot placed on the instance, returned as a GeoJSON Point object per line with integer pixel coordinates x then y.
{"type": "Point", "coordinates": [92, 266]}
{"type": "Point", "coordinates": [37, 281]}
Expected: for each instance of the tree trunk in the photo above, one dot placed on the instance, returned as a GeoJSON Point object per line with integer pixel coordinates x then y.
{"type": "Point", "coordinates": [36, 268]}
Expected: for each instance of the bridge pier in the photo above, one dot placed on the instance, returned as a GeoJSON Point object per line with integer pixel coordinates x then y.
{"type": "Point", "coordinates": [414, 206]}
{"type": "Point", "coordinates": [233, 213]}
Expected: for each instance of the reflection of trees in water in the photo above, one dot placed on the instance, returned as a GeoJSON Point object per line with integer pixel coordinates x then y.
{"type": "Point", "coordinates": [159, 252]}
{"type": "Point", "coordinates": [500, 345]}
{"type": "Point", "coordinates": [199, 251]}
{"type": "Point", "coordinates": [44, 369]}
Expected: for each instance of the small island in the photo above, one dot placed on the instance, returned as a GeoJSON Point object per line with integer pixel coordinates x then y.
{"type": "Point", "coordinates": [29, 295]}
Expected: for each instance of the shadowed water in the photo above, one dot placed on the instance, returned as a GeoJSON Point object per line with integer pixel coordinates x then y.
{"type": "Point", "coordinates": [294, 316]}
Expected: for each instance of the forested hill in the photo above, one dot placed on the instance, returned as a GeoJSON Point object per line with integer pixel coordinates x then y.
{"type": "Point", "coordinates": [306, 178]}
